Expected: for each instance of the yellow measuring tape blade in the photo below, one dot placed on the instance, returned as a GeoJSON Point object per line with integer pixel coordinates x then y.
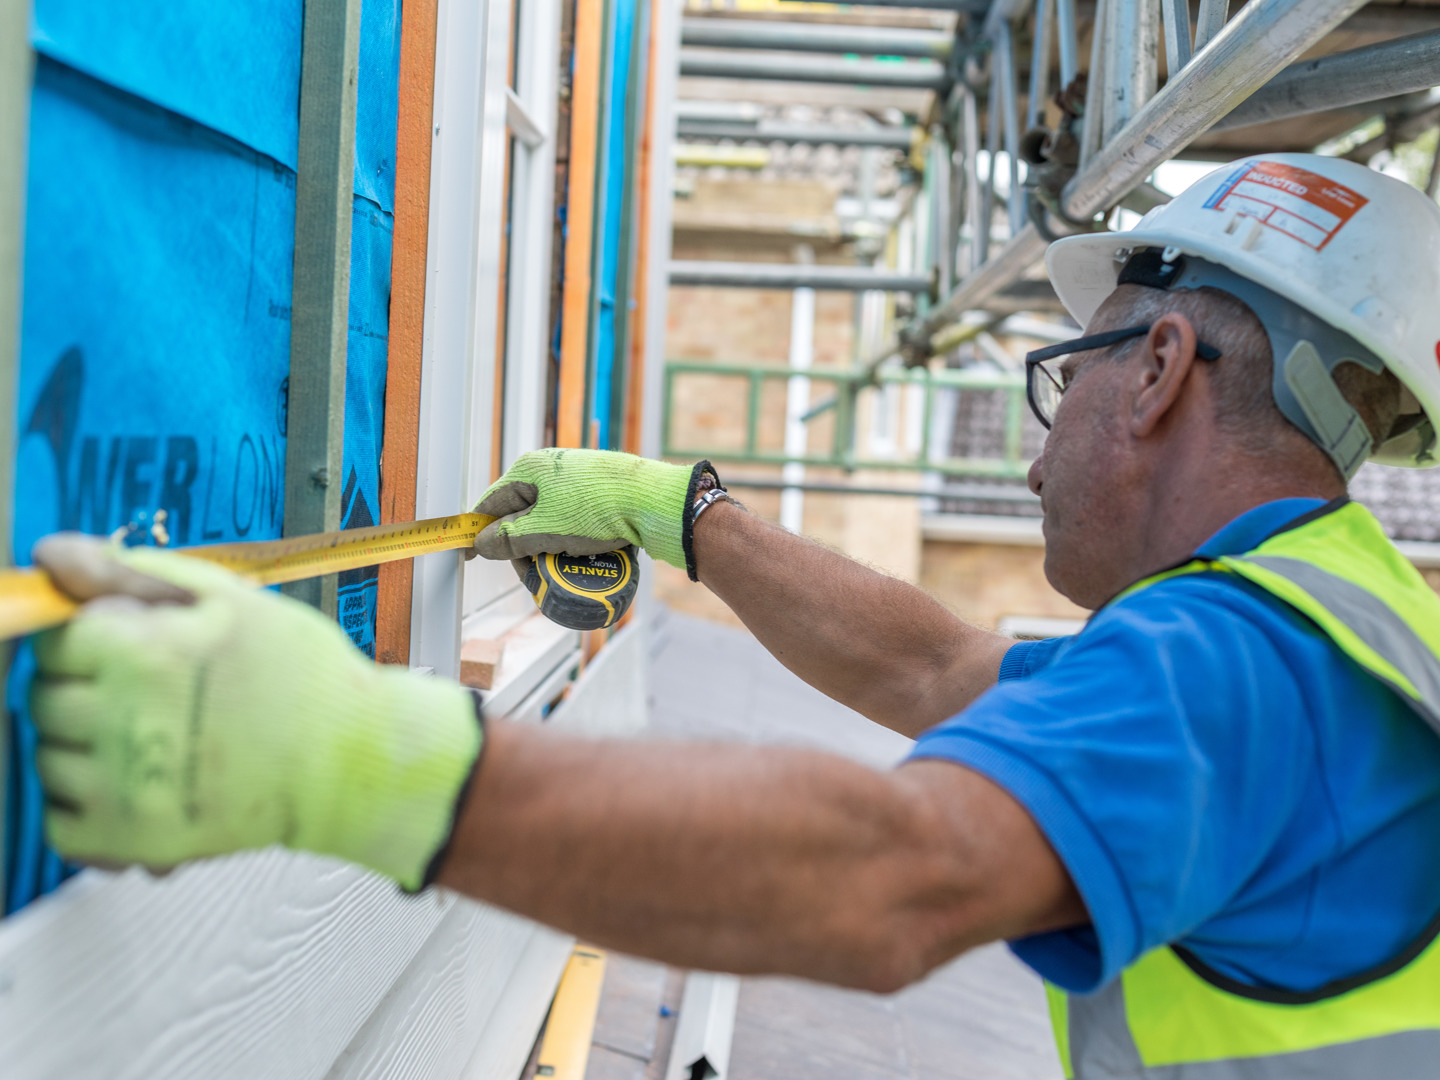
{"type": "Point", "coordinates": [570, 1029]}
{"type": "Point", "coordinates": [29, 603]}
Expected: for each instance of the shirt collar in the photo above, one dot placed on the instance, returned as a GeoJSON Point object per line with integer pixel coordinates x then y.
{"type": "Point", "coordinates": [1250, 529]}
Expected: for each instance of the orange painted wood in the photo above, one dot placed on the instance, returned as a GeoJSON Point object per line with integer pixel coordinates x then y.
{"type": "Point", "coordinates": [407, 316]}
{"type": "Point", "coordinates": [580, 222]}
{"type": "Point", "coordinates": [640, 291]}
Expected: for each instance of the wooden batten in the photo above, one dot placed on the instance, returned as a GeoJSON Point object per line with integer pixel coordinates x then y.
{"type": "Point", "coordinates": [319, 336]}
{"type": "Point", "coordinates": [16, 71]}
{"type": "Point", "coordinates": [407, 316]}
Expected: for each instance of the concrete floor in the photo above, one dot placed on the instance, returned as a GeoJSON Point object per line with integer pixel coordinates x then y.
{"type": "Point", "coordinates": [981, 1017]}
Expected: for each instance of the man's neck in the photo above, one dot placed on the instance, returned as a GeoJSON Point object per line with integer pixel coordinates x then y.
{"type": "Point", "coordinates": [1193, 501]}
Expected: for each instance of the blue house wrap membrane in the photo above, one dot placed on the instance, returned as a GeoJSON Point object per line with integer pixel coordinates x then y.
{"type": "Point", "coordinates": [155, 337]}
{"type": "Point", "coordinates": [371, 230]}
{"type": "Point", "coordinates": [611, 200]}
{"type": "Point", "coordinates": [233, 66]}
{"type": "Point", "coordinates": [378, 105]}
{"type": "Point", "coordinates": [155, 332]}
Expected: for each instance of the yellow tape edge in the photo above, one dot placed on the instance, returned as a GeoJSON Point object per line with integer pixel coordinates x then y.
{"type": "Point", "coordinates": [565, 1049]}
{"type": "Point", "coordinates": [30, 603]}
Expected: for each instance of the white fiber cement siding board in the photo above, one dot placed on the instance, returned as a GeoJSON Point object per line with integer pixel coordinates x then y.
{"type": "Point", "coordinates": [262, 964]}
{"type": "Point", "coordinates": [611, 697]}
{"type": "Point", "coordinates": [286, 966]}
{"type": "Point", "coordinates": [478, 988]}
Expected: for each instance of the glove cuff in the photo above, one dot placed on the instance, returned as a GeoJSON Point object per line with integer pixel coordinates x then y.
{"type": "Point", "coordinates": [402, 777]}
{"type": "Point", "coordinates": [432, 871]}
{"type": "Point", "coordinates": [703, 477]}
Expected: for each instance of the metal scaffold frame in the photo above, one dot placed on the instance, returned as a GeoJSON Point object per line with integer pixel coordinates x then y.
{"type": "Point", "coordinates": [1125, 126]}
{"type": "Point", "coordinates": [985, 229]}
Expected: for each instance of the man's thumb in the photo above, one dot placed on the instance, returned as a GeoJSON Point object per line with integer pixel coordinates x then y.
{"type": "Point", "coordinates": [85, 568]}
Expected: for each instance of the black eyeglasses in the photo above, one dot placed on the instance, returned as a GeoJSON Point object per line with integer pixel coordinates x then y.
{"type": "Point", "coordinates": [1044, 393]}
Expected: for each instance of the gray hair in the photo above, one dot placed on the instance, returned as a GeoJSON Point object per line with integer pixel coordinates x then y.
{"type": "Point", "coordinates": [1244, 402]}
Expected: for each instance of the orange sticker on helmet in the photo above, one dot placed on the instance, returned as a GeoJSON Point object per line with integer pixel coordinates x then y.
{"type": "Point", "coordinates": [1297, 202]}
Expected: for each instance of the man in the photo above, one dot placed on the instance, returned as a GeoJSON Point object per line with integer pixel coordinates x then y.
{"type": "Point", "coordinates": [1210, 818]}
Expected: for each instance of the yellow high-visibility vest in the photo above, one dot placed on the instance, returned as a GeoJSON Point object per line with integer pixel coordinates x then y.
{"type": "Point", "coordinates": [1169, 1016]}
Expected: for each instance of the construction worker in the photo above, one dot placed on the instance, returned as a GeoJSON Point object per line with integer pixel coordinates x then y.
{"type": "Point", "coordinates": [1209, 820]}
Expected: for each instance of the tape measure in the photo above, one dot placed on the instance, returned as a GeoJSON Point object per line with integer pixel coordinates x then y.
{"type": "Point", "coordinates": [30, 603]}
{"type": "Point", "coordinates": [584, 592]}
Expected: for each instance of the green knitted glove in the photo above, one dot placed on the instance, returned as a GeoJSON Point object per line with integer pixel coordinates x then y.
{"type": "Point", "coordinates": [585, 502]}
{"type": "Point", "coordinates": [238, 720]}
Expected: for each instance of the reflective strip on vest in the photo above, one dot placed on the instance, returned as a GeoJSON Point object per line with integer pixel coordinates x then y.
{"type": "Point", "coordinates": [1371, 620]}
{"type": "Point", "coordinates": [1102, 1047]}
{"type": "Point", "coordinates": [1162, 1020]}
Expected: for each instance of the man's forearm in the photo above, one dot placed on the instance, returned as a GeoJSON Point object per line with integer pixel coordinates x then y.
{"type": "Point", "coordinates": [753, 859]}
{"type": "Point", "coordinates": [878, 645]}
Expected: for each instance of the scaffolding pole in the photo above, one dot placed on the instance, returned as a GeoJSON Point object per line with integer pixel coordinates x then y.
{"type": "Point", "coordinates": [968, 7]}
{"type": "Point", "coordinates": [817, 37]}
{"type": "Point", "coordinates": [910, 75]}
{"type": "Point", "coordinates": [795, 276]}
{"type": "Point", "coordinates": [894, 138]}
{"type": "Point", "coordinates": [1252, 48]}
{"type": "Point", "coordinates": [1241, 58]}
{"type": "Point", "coordinates": [1401, 66]}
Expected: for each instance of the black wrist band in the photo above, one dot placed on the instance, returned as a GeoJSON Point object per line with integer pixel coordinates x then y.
{"type": "Point", "coordinates": [687, 521]}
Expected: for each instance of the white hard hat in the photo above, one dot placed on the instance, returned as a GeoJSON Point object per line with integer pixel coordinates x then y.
{"type": "Point", "coordinates": [1357, 250]}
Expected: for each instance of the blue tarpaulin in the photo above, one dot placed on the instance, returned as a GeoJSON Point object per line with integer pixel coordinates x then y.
{"type": "Point", "coordinates": [156, 325]}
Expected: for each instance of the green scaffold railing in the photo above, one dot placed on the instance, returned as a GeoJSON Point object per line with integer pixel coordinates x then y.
{"type": "Point", "coordinates": [839, 450]}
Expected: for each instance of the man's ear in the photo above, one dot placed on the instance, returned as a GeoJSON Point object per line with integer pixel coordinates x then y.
{"type": "Point", "coordinates": [1162, 364]}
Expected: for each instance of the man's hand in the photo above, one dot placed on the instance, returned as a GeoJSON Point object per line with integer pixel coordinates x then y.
{"type": "Point", "coordinates": [184, 713]}
{"type": "Point", "coordinates": [586, 502]}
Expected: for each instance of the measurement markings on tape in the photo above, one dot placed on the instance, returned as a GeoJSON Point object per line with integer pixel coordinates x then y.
{"type": "Point", "coordinates": [29, 602]}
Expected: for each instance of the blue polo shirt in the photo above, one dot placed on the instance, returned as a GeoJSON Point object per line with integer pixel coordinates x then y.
{"type": "Point", "coordinates": [1213, 772]}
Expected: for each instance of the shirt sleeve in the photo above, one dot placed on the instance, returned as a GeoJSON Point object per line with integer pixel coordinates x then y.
{"type": "Point", "coordinates": [1025, 658]}
{"type": "Point", "coordinates": [1139, 750]}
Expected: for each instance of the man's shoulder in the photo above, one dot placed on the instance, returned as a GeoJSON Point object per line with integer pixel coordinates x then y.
{"type": "Point", "coordinates": [1206, 592]}
{"type": "Point", "coordinates": [1202, 614]}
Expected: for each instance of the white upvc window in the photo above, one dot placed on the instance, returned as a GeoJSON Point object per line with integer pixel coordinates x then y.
{"type": "Point", "coordinates": [492, 181]}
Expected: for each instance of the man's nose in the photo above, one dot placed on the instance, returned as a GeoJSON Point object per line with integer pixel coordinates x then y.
{"type": "Point", "coordinates": [1035, 477]}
